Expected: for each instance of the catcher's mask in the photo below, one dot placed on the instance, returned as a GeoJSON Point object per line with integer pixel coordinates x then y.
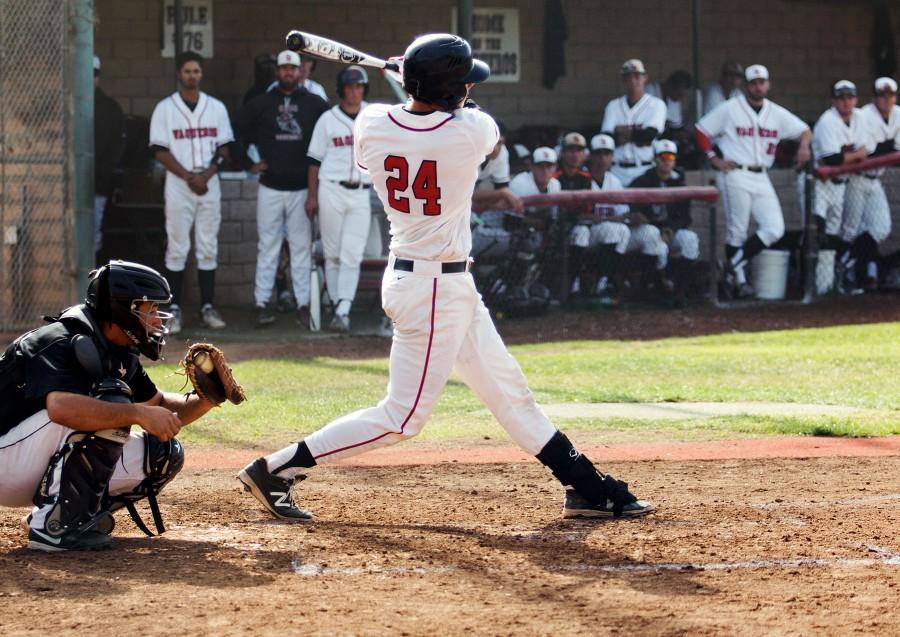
{"type": "Point", "coordinates": [437, 67]}
{"type": "Point", "coordinates": [120, 292]}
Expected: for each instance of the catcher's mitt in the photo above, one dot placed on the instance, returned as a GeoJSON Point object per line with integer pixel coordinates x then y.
{"type": "Point", "coordinates": [209, 373]}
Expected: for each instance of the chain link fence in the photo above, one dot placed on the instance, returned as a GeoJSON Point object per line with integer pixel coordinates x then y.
{"type": "Point", "coordinates": [35, 195]}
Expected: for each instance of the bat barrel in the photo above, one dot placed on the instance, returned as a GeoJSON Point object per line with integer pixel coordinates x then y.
{"type": "Point", "coordinates": [295, 41]}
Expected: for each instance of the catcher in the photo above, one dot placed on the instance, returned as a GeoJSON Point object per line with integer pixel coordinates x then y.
{"type": "Point", "coordinates": [70, 391]}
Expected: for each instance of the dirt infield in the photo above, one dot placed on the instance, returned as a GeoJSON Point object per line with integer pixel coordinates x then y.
{"type": "Point", "coordinates": [743, 547]}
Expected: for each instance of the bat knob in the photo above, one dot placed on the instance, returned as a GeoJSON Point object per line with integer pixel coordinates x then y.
{"type": "Point", "coordinates": [295, 41]}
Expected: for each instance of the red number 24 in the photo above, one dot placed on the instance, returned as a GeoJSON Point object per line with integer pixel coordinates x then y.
{"type": "Point", "coordinates": [424, 186]}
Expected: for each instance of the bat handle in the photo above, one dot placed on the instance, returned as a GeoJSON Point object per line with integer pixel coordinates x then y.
{"type": "Point", "coordinates": [392, 66]}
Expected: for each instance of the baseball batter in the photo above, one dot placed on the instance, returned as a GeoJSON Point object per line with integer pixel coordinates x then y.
{"type": "Point", "coordinates": [338, 189]}
{"type": "Point", "coordinates": [423, 157]}
{"type": "Point", "coordinates": [747, 129]}
{"type": "Point", "coordinates": [188, 132]}
{"type": "Point", "coordinates": [634, 120]}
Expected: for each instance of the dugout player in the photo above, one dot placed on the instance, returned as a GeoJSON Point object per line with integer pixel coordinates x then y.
{"type": "Point", "coordinates": [731, 81]}
{"type": "Point", "coordinates": [69, 392]}
{"type": "Point", "coordinates": [423, 157]}
{"type": "Point", "coordinates": [666, 223]}
{"type": "Point", "coordinates": [338, 190]}
{"type": "Point", "coordinates": [492, 186]}
{"type": "Point", "coordinates": [572, 176]}
{"type": "Point", "coordinates": [841, 136]}
{"type": "Point", "coordinates": [747, 129]}
{"type": "Point", "coordinates": [870, 224]}
{"type": "Point", "coordinates": [189, 131]}
{"type": "Point", "coordinates": [633, 120]}
{"type": "Point", "coordinates": [280, 124]}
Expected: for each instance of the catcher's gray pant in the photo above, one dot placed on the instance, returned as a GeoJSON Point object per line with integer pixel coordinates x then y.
{"type": "Point", "coordinates": [745, 194]}
{"type": "Point", "coordinates": [603, 233]}
{"type": "Point", "coordinates": [344, 219]}
{"type": "Point", "coordinates": [185, 209]}
{"type": "Point", "coordinates": [866, 209]}
{"type": "Point", "coordinates": [279, 212]}
{"type": "Point", "coordinates": [26, 450]}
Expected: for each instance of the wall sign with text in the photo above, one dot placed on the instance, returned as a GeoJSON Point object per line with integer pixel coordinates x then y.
{"type": "Point", "coordinates": [495, 39]}
{"type": "Point", "coordinates": [197, 18]}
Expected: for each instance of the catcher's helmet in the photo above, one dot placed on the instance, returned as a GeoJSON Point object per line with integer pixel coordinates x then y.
{"type": "Point", "coordinates": [114, 292]}
{"type": "Point", "coordinates": [352, 75]}
{"type": "Point", "coordinates": [437, 67]}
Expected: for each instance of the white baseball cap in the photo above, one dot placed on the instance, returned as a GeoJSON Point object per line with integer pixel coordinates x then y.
{"type": "Point", "coordinates": [756, 72]}
{"type": "Point", "coordinates": [288, 57]}
{"type": "Point", "coordinates": [633, 66]}
{"type": "Point", "coordinates": [665, 146]}
{"type": "Point", "coordinates": [602, 142]}
{"type": "Point", "coordinates": [521, 151]}
{"type": "Point", "coordinates": [544, 155]}
{"type": "Point", "coordinates": [96, 63]}
{"type": "Point", "coordinates": [885, 85]}
{"type": "Point", "coordinates": [574, 139]}
{"type": "Point", "coordinates": [843, 87]}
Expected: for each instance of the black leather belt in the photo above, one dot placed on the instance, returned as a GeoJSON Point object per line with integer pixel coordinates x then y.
{"type": "Point", "coordinates": [631, 164]}
{"type": "Point", "coordinates": [448, 267]}
{"type": "Point", "coordinates": [353, 185]}
{"type": "Point", "coordinates": [838, 181]}
{"type": "Point", "coordinates": [872, 177]}
{"type": "Point", "coordinates": [753, 169]}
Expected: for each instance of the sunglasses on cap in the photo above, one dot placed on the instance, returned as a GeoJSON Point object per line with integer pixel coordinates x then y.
{"type": "Point", "coordinates": [667, 156]}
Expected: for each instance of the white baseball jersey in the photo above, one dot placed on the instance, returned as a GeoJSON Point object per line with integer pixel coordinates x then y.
{"type": "Point", "coordinates": [424, 169]}
{"type": "Point", "coordinates": [332, 145]}
{"type": "Point", "coordinates": [647, 112]}
{"type": "Point", "coordinates": [713, 96]}
{"type": "Point", "coordinates": [494, 171]}
{"type": "Point", "coordinates": [523, 184]}
{"type": "Point", "coordinates": [832, 135]}
{"type": "Point", "coordinates": [610, 182]}
{"type": "Point", "coordinates": [882, 130]}
{"type": "Point", "coordinates": [191, 136]}
{"type": "Point", "coordinates": [747, 137]}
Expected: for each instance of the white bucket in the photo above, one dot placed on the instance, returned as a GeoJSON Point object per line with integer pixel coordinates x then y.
{"type": "Point", "coordinates": [770, 270]}
{"type": "Point", "coordinates": [825, 272]}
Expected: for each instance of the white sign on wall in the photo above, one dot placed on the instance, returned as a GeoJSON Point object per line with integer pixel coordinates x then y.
{"type": "Point", "coordinates": [197, 18]}
{"type": "Point", "coordinates": [495, 39]}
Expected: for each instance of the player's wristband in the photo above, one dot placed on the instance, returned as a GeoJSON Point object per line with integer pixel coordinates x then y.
{"type": "Point", "coordinates": [219, 161]}
{"type": "Point", "coordinates": [710, 154]}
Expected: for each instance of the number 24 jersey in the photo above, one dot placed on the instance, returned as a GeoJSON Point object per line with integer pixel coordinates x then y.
{"type": "Point", "coordinates": [424, 168]}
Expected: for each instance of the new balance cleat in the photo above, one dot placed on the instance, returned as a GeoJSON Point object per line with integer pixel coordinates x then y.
{"type": "Point", "coordinates": [274, 493]}
{"type": "Point", "coordinates": [575, 506]}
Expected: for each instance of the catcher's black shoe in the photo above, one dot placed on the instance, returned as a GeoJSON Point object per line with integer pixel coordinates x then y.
{"type": "Point", "coordinates": [74, 541]}
{"type": "Point", "coordinates": [273, 492]}
{"type": "Point", "coordinates": [575, 506]}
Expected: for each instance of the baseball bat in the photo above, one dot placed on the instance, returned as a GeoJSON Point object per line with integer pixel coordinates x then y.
{"type": "Point", "coordinates": [318, 47]}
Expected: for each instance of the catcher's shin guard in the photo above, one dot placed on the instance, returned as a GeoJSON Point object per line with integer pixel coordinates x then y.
{"type": "Point", "coordinates": [76, 481]}
{"type": "Point", "coordinates": [574, 470]}
{"type": "Point", "coordinates": [162, 462]}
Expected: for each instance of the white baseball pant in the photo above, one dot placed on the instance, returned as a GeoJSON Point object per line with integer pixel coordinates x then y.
{"type": "Point", "coordinates": [440, 324]}
{"type": "Point", "coordinates": [828, 201]}
{"type": "Point", "coordinates": [647, 239]}
{"type": "Point", "coordinates": [280, 212]}
{"type": "Point", "coordinates": [609, 232]}
{"type": "Point", "coordinates": [685, 244]}
{"type": "Point", "coordinates": [184, 209]}
{"type": "Point", "coordinates": [745, 194]}
{"type": "Point", "coordinates": [25, 452]}
{"type": "Point", "coordinates": [344, 219]}
{"type": "Point", "coordinates": [629, 174]}
{"type": "Point", "coordinates": [866, 209]}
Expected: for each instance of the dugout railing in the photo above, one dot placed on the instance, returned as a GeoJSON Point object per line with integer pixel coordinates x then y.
{"type": "Point", "coordinates": [520, 257]}
{"type": "Point", "coordinates": [844, 237]}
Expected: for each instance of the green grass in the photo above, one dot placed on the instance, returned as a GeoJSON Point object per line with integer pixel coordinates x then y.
{"type": "Point", "coordinates": [854, 365]}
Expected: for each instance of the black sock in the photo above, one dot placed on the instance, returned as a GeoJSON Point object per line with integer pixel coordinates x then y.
{"type": "Point", "coordinates": [175, 279]}
{"type": "Point", "coordinates": [207, 279]}
{"type": "Point", "coordinates": [302, 458]}
{"type": "Point", "coordinates": [752, 247]}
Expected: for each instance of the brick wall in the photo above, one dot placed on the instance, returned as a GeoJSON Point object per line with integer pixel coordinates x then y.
{"type": "Point", "coordinates": [805, 44]}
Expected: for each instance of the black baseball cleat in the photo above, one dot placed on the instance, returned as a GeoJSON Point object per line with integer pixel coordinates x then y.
{"type": "Point", "coordinates": [274, 493]}
{"type": "Point", "coordinates": [575, 506]}
{"type": "Point", "coordinates": [73, 541]}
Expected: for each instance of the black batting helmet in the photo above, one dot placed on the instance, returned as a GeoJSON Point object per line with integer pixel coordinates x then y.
{"type": "Point", "coordinates": [352, 75]}
{"type": "Point", "coordinates": [437, 67]}
{"type": "Point", "coordinates": [114, 292]}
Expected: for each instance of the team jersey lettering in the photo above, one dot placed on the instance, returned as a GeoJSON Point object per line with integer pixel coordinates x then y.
{"type": "Point", "coordinates": [424, 186]}
{"type": "Point", "coordinates": [194, 133]}
{"type": "Point", "coordinates": [346, 140]}
{"type": "Point", "coordinates": [748, 131]}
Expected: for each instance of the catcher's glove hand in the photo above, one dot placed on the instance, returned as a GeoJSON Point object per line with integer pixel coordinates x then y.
{"type": "Point", "coordinates": [209, 373]}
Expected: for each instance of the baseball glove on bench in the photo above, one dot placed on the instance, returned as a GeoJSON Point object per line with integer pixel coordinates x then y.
{"type": "Point", "coordinates": [209, 373]}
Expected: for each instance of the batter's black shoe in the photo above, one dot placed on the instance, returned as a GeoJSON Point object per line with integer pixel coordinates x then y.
{"type": "Point", "coordinates": [273, 492]}
{"type": "Point", "coordinates": [74, 541]}
{"type": "Point", "coordinates": [576, 506]}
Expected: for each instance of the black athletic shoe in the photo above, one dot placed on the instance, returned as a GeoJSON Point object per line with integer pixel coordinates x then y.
{"type": "Point", "coordinates": [74, 541]}
{"type": "Point", "coordinates": [576, 506]}
{"type": "Point", "coordinates": [273, 492]}
{"type": "Point", "coordinates": [264, 315]}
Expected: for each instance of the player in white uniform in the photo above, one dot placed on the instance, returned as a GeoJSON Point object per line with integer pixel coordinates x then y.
{"type": "Point", "coordinates": [188, 131]}
{"type": "Point", "coordinates": [731, 79]}
{"type": "Point", "coordinates": [338, 189]}
{"type": "Point", "coordinates": [633, 120]}
{"type": "Point", "coordinates": [868, 215]}
{"type": "Point", "coordinates": [748, 129]}
{"type": "Point", "coordinates": [424, 158]}
{"type": "Point", "coordinates": [841, 136]}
